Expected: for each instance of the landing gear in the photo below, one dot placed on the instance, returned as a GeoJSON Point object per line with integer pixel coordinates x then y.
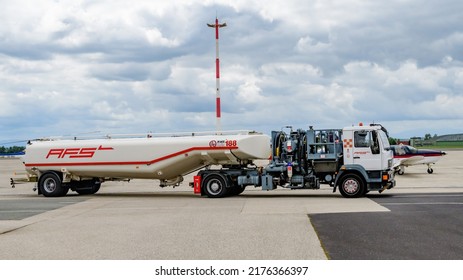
{"type": "Point", "coordinates": [401, 170]}
{"type": "Point", "coordinates": [430, 170]}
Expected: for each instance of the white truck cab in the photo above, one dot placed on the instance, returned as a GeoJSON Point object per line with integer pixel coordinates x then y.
{"type": "Point", "coordinates": [367, 146]}
{"type": "Point", "coordinates": [367, 161]}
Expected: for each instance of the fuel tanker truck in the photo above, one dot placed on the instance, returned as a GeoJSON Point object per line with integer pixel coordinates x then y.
{"type": "Point", "coordinates": [355, 160]}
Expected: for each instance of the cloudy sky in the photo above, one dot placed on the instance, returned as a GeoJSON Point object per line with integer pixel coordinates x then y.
{"type": "Point", "coordinates": [76, 67]}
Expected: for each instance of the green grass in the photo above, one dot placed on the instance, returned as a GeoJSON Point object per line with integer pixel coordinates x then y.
{"type": "Point", "coordinates": [443, 145]}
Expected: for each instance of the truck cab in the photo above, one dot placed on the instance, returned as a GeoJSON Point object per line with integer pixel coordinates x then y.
{"type": "Point", "coordinates": [367, 146]}
{"type": "Point", "coordinates": [367, 155]}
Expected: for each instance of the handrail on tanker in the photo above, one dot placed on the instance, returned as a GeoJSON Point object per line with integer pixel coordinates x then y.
{"type": "Point", "coordinates": [150, 135]}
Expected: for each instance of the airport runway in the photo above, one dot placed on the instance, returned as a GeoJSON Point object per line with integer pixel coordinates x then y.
{"type": "Point", "coordinates": [139, 220]}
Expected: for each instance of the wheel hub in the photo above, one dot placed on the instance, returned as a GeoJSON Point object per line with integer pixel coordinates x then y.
{"type": "Point", "coordinates": [50, 185]}
{"type": "Point", "coordinates": [214, 186]}
{"type": "Point", "coordinates": [351, 186]}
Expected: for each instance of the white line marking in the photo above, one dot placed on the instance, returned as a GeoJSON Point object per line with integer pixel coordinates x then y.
{"type": "Point", "coordinates": [423, 203]}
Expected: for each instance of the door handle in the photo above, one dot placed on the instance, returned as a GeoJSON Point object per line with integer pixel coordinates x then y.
{"type": "Point", "coordinates": [356, 157]}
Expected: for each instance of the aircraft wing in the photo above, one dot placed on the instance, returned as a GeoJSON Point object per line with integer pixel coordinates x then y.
{"type": "Point", "coordinates": [410, 160]}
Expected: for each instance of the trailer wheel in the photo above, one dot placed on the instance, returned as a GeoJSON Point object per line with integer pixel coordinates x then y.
{"type": "Point", "coordinates": [50, 185]}
{"type": "Point", "coordinates": [352, 186]}
{"type": "Point", "coordinates": [90, 187]}
{"type": "Point", "coordinates": [215, 186]}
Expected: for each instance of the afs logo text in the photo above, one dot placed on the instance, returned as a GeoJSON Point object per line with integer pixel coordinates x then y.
{"type": "Point", "coordinates": [76, 152]}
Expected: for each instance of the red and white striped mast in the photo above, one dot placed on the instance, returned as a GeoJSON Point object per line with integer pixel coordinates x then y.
{"type": "Point", "coordinates": [217, 72]}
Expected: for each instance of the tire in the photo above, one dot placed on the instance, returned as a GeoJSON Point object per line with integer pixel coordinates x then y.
{"type": "Point", "coordinates": [240, 190]}
{"type": "Point", "coordinates": [430, 170]}
{"type": "Point", "coordinates": [236, 190]}
{"type": "Point", "coordinates": [51, 185]}
{"type": "Point", "coordinates": [352, 186]}
{"type": "Point", "coordinates": [88, 187]}
{"type": "Point", "coordinates": [215, 186]}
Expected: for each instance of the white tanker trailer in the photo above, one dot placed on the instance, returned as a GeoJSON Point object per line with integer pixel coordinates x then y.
{"type": "Point", "coordinates": [355, 159]}
{"type": "Point", "coordinates": [82, 165]}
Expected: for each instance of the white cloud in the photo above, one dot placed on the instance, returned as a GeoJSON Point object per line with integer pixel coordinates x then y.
{"type": "Point", "coordinates": [249, 92]}
{"type": "Point", "coordinates": [156, 38]}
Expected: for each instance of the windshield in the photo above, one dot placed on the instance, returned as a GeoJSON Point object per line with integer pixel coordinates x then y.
{"type": "Point", "coordinates": [411, 149]}
{"type": "Point", "coordinates": [384, 139]}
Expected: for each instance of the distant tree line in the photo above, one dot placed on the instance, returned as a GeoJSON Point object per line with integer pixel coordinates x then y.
{"type": "Point", "coordinates": [13, 149]}
{"type": "Point", "coordinates": [427, 137]}
{"type": "Point", "coordinates": [393, 141]}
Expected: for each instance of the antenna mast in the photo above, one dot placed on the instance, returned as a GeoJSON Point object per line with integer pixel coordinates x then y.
{"type": "Point", "coordinates": [217, 72]}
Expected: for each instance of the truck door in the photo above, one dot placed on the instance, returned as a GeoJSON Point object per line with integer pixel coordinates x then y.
{"type": "Point", "coordinates": [367, 150]}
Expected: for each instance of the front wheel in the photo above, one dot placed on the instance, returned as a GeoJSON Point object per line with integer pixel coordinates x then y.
{"type": "Point", "coordinates": [215, 185]}
{"type": "Point", "coordinates": [51, 185]}
{"type": "Point", "coordinates": [352, 186]}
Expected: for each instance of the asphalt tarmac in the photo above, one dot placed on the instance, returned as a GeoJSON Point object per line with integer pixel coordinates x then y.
{"type": "Point", "coordinates": [418, 227]}
{"type": "Point", "coordinates": [139, 220]}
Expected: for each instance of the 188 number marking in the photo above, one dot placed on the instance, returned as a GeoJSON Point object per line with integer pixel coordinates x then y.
{"type": "Point", "coordinates": [230, 143]}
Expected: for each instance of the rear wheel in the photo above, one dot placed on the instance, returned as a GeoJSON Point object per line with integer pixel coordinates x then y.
{"type": "Point", "coordinates": [215, 185]}
{"type": "Point", "coordinates": [352, 186]}
{"type": "Point", "coordinates": [236, 190]}
{"type": "Point", "coordinates": [51, 185]}
{"type": "Point", "coordinates": [240, 190]}
{"type": "Point", "coordinates": [87, 187]}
